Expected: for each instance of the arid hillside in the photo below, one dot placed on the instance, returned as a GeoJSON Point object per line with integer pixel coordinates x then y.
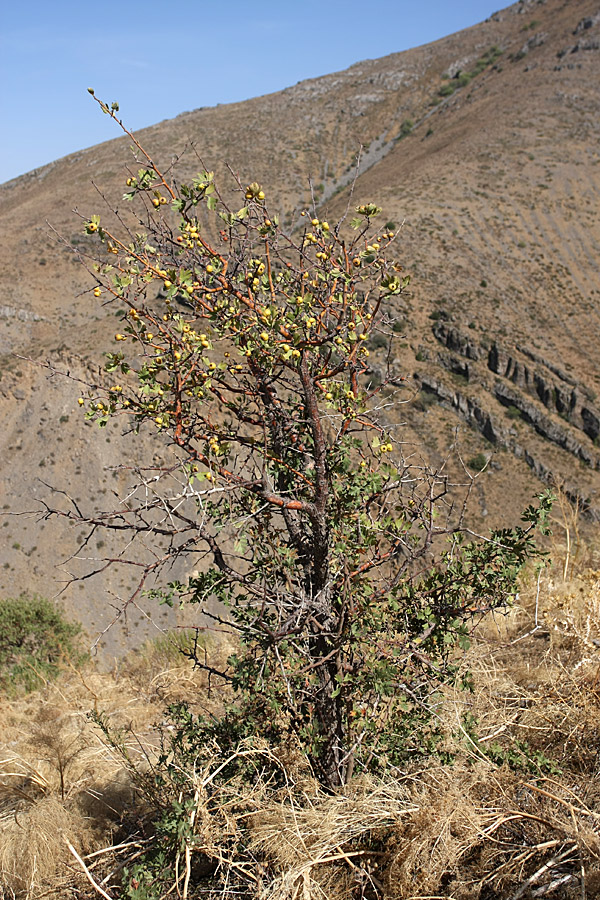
{"type": "Point", "coordinates": [482, 148]}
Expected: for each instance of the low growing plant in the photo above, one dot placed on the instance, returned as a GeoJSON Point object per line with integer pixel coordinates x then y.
{"type": "Point", "coordinates": [35, 637]}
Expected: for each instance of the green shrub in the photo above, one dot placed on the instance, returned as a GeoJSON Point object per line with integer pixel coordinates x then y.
{"type": "Point", "coordinates": [424, 400]}
{"type": "Point", "coordinates": [478, 462]}
{"type": "Point", "coordinates": [34, 638]}
{"type": "Point", "coordinates": [405, 128]}
{"type": "Point", "coordinates": [377, 341]}
{"type": "Point", "coordinates": [447, 89]}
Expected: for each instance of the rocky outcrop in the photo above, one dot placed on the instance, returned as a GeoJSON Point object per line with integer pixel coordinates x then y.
{"type": "Point", "coordinates": [536, 375]}
{"type": "Point", "coordinates": [547, 364]}
{"type": "Point", "coordinates": [475, 415]}
{"type": "Point", "coordinates": [448, 335]}
{"type": "Point", "coordinates": [587, 22]}
{"type": "Point", "coordinates": [544, 426]}
{"type": "Point", "coordinates": [565, 397]}
{"type": "Point", "coordinates": [470, 410]}
{"type": "Point", "coordinates": [24, 315]}
{"type": "Point", "coordinates": [536, 41]}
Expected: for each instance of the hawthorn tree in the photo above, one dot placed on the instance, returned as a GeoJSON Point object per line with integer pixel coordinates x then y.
{"type": "Point", "coordinates": [246, 350]}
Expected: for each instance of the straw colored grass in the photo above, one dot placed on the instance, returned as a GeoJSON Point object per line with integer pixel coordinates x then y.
{"type": "Point", "coordinates": [476, 829]}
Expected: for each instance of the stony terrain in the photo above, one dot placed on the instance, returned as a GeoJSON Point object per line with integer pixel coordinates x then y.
{"type": "Point", "coordinates": [484, 147]}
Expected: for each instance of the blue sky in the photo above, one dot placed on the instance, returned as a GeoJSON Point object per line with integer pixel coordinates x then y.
{"type": "Point", "coordinates": [161, 58]}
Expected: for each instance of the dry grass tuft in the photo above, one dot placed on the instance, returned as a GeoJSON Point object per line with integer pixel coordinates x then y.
{"type": "Point", "coordinates": [327, 846]}
{"type": "Point", "coordinates": [34, 858]}
{"type": "Point", "coordinates": [484, 832]}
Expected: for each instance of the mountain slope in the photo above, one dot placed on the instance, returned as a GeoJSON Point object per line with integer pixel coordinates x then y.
{"type": "Point", "coordinates": [484, 145]}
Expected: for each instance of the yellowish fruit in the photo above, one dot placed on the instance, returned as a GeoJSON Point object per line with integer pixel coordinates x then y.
{"type": "Point", "coordinates": [81, 401]}
{"type": "Point", "coordinates": [97, 292]}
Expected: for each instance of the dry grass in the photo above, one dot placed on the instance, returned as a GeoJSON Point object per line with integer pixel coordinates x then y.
{"type": "Point", "coordinates": [478, 829]}
{"type": "Point", "coordinates": [59, 783]}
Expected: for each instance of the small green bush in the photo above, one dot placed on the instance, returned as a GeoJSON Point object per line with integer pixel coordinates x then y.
{"type": "Point", "coordinates": [447, 89]}
{"type": "Point", "coordinates": [378, 341]}
{"type": "Point", "coordinates": [478, 462]}
{"type": "Point", "coordinates": [34, 638]}
{"type": "Point", "coordinates": [405, 128]}
{"type": "Point", "coordinates": [424, 400]}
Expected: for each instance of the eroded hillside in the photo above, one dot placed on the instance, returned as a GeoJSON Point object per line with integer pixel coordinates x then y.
{"type": "Point", "coordinates": [481, 147]}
